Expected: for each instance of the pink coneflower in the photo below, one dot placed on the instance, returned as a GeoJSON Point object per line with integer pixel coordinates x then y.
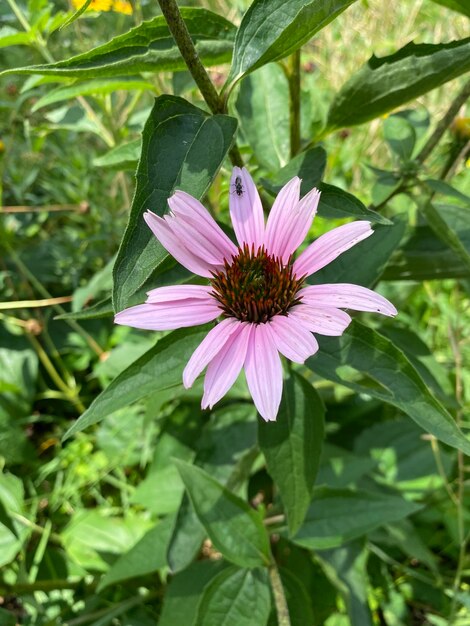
{"type": "Point", "coordinates": [256, 289]}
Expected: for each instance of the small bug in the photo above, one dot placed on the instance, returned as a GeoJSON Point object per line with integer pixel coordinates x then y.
{"type": "Point", "coordinates": [238, 186]}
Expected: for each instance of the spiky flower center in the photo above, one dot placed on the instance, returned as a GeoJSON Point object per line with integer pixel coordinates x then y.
{"type": "Point", "coordinates": [255, 286]}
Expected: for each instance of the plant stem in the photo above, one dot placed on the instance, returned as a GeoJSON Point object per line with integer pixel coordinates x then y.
{"type": "Point", "coordinates": [294, 92]}
{"type": "Point", "coordinates": [279, 596]}
{"type": "Point", "coordinates": [454, 337]}
{"type": "Point", "coordinates": [189, 53]}
{"type": "Point", "coordinates": [445, 122]}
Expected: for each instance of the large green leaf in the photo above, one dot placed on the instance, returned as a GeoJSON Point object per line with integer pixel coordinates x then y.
{"type": "Point", "coordinates": [100, 86]}
{"type": "Point", "coordinates": [149, 47]}
{"type": "Point", "coordinates": [183, 148]}
{"type": "Point", "coordinates": [272, 29]}
{"type": "Point", "coordinates": [236, 597]}
{"type": "Point", "coordinates": [387, 375]}
{"type": "Point", "coordinates": [292, 446]}
{"type": "Point", "coordinates": [235, 529]}
{"type": "Point", "coordinates": [347, 569]}
{"type": "Point", "coordinates": [462, 6]}
{"type": "Point", "coordinates": [452, 224]}
{"type": "Point", "coordinates": [184, 593]}
{"type": "Point", "coordinates": [147, 556]}
{"type": "Point", "coordinates": [159, 368]}
{"type": "Point", "coordinates": [337, 516]}
{"type": "Point", "coordinates": [263, 110]}
{"type": "Point", "coordinates": [364, 263]}
{"type": "Point", "coordinates": [424, 256]}
{"type": "Point", "coordinates": [385, 83]}
{"type": "Point", "coordinates": [226, 451]}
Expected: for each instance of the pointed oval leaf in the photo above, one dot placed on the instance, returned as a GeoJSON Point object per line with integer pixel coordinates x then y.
{"type": "Point", "coordinates": [147, 556]}
{"type": "Point", "coordinates": [159, 368]}
{"type": "Point", "coordinates": [292, 447]}
{"type": "Point", "coordinates": [337, 516]}
{"type": "Point", "coordinates": [235, 529]}
{"type": "Point", "coordinates": [183, 148]}
{"type": "Point", "coordinates": [263, 110]}
{"type": "Point", "coordinates": [149, 47]}
{"type": "Point", "coordinates": [393, 379]}
{"type": "Point", "coordinates": [385, 83]}
{"type": "Point", "coordinates": [272, 29]}
{"type": "Point", "coordinates": [236, 597]}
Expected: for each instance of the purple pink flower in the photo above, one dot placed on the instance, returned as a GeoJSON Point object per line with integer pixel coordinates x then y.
{"type": "Point", "coordinates": [256, 289]}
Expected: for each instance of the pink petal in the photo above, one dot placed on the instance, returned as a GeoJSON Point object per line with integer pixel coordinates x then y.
{"type": "Point", "coordinates": [324, 321]}
{"type": "Point", "coordinates": [246, 210]}
{"type": "Point", "coordinates": [280, 216]}
{"type": "Point", "coordinates": [176, 248]}
{"type": "Point", "coordinates": [192, 211]}
{"type": "Point", "coordinates": [179, 292]}
{"type": "Point", "coordinates": [198, 242]}
{"type": "Point", "coordinates": [211, 345]}
{"type": "Point", "coordinates": [346, 296]}
{"type": "Point", "coordinates": [292, 339]}
{"type": "Point", "coordinates": [263, 371]}
{"type": "Point", "coordinates": [300, 223]}
{"type": "Point", "coordinates": [168, 316]}
{"type": "Point", "coordinates": [329, 246]}
{"type": "Point", "coordinates": [224, 368]}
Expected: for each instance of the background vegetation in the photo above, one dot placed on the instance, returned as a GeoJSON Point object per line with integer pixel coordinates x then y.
{"type": "Point", "coordinates": [96, 529]}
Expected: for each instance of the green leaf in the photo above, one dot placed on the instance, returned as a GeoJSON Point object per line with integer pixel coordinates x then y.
{"type": "Point", "coordinates": [147, 556]}
{"type": "Point", "coordinates": [225, 451]}
{"type": "Point", "coordinates": [76, 14]}
{"type": "Point", "coordinates": [149, 47]}
{"type": "Point", "coordinates": [389, 376]}
{"type": "Point", "coordinates": [11, 37]}
{"type": "Point", "coordinates": [235, 529]}
{"type": "Point", "coordinates": [448, 221]}
{"type": "Point", "coordinates": [188, 535]}
{"type": "Point", "coordinates": [270, 31]}
{"type": "Point", "coordinates": [125, 156]}
{"type": "Point", "coordinates": [309, 166]}
{"type": "Point", "coordinates": [263, 110]}
{"type": "Point", "coordinates": [292, 446]}
{"type": "Point", "coordinates": [347, 569]}
{"type": "Point", "coordinates": [103, 308]}
{"type": "Point", "coordinates": [236, 597]}
{"type": "Point", "coordinates": [184, 593]}
{"type": "Point", "coordinates": [337, 516]}
{"type": "Point", "coordinates": [159, 368]}
{"type": "Point", "coordinates": [400, 136]}
{"type": "Point", "coordinates": [337, 203]}
{"type": "Point", "coordinates": [100, 86]}
{"type": "Point", "coordinates": [198, 143]}
{"type": "Point", "coordinates": [461, 6]}
{"type": "Point", "coordinates": [299, 601]}
{"type": "Point", "coordinates": [364, 263]}
{"type": "Point", "coordinates": [91, 537]}
{"type": "Point", "coordinates": [388, 82]}
{"type": "Point", "coordinates": [424, 256]}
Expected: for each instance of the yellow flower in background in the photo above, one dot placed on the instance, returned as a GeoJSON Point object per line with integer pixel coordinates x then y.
{"type": "Point", "coordinates": [119, 6]}
{"type": "Point", "coordinates": [122, 6]}
{"type": "Point", "coordinates": [461, 126]}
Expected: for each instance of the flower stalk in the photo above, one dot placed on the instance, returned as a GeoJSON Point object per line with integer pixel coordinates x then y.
{"type": "Point", "coordinates": [280, 601]}
{"type": "Point", "coordinates": [186, 46]}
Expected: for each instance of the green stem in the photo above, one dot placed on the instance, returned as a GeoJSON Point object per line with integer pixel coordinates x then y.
{"type": "Point", "coordinates": [294, 92]}
{"type": "Point", "coordinates": [282, 610]}
{"type": "Point", "coordinates": [444, 124]}
{"type": "Point", "coordinates": [189, 53]}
